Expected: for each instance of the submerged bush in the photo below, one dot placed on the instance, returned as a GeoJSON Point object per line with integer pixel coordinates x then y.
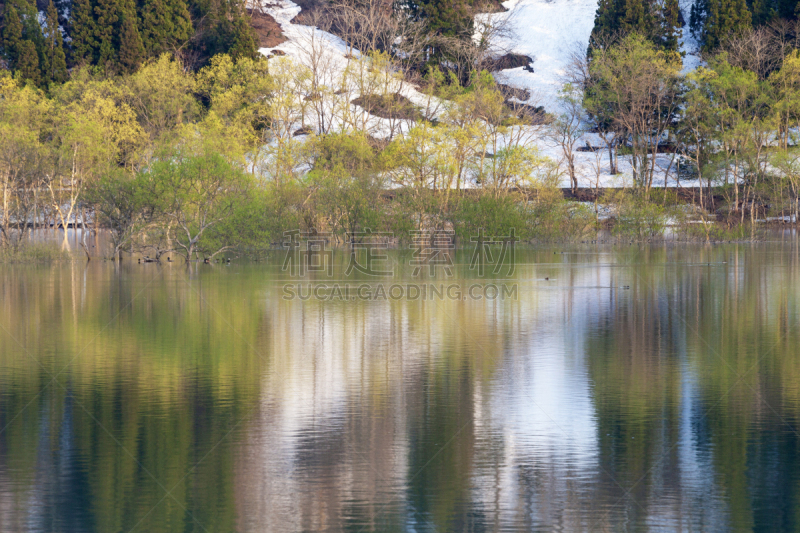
{"type": "Point", "coordinates": [37, 252]}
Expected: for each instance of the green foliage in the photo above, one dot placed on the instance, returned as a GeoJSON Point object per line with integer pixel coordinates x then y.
{"type": "Point", "coordinates": [82, 32]}
{"type": "Point", "coordinates": [201, 197]}
{"type": "Point", "coordinates": [712, 21]}
{"type": "Point", "coordinates": [55, 67]}
{"type": "Point", "coordinates": [348, 185]}
{"type": "Point", "coordinates": [119, 35]}
{"type": "Point", "coordinates": [12, 35]}
{"type": "Point", "coordinates": [552, 218]}
{"type": "Point", "coordinates": [655, 20]}
{"type": "Point", "coordinates": [35, 253]}
{"type": "Point", "coordinates": [131, 49]}
{"type": "Point", "coordinates": [635, 217]}
{"type": "Point", "coordinates": [28, 63]}
{"type": "Point", "coordinates": [165, 25]}
{"type": "Point", "coordinates": [447, 17]}
{"type": "Point", "coordinates": [635, 91]}
{"type": "Point", "coordinates": [495, 215]}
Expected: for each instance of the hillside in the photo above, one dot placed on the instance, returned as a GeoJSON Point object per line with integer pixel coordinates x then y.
{"type": "Point", "coordinates": [548, 32]}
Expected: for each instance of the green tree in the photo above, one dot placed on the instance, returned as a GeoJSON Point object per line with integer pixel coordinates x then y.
{"type": "Point", "coordinates": [12, 35]}
{"type": "Point", "coordinates": [27, 66]}
{"type": "Point", "coordinates": [161, 94]}
{"type": "Point", "coordinates": [131, 50]}
{"type": "Point", "coordinates": [657, 21]}
{"type": "Point", "coordinates": [164, 25]}
{"type": "Point", "coordinates": [82, 31]}
{"type": "Point", "coordinates": [711, 21]}
{"type": "Point", "coordinates": [196, 195]}
{"type": "Point", "coordinates": [106, 13]}
{"type": "Point", "coordinates": [55, 67]}
{"type": "Point", "coordinates": [639, 87]}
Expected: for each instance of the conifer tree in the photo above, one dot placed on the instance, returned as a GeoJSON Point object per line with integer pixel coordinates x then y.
{"type": "Point", "coordinates": [106, 14]}
{"type": "Point", "coordinates": [636, 18]}
{"type": "Point", "coordinates": [12, 35]}
{"type": "Point", "coordinates": [55, 64]}
{"type": "Point", "coordinates": [670, 26]}
{"type": "Point", "coordinates": [165, 23]}
{"type": "Point", "coordinates": [27, 66]}
{"type": "Point", "coordinates": [131, 51]}
{"type": "Point", "coordinates": [714, 20]}
{"type": "Point", "coordinates": [82, 31]}
{"type": "Point", "coordinates": [658, 21]}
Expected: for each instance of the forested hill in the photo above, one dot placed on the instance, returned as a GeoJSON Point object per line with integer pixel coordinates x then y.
{"type": "Point", "coordinates": [42, 39]}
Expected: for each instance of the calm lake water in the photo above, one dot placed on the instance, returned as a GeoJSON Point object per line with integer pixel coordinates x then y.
{"type": "Point", "coordinates": [638, 388]}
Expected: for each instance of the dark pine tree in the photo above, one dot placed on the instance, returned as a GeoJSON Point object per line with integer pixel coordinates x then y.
{"type": "Point", "coordinates": [27, 66]}
{"type": "Point", "coordinates": [130, 50]}
{"type": "Point", "coordinates": [165, 24]}
{"type": "Point", "coordinates": [658, 21]}
{"type": "Point", "coordinates": [12, 36]}
{"type": "Point", "coordinates": [106, 14]}
{"type": "Point", "coordinates": [714, 20]}
{"type": "Point", "coordinates": [55, 62]}
{"type": "Point", "coordinates": [670, 25]}
{"type": "Point", "coordinates": [82, 31]}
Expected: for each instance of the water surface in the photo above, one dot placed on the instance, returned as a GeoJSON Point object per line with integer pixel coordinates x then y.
{"type": "Point", "coordinates": [637, 388]}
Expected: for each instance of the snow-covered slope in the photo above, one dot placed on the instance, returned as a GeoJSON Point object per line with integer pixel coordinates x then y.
{"type": "Point", "coordinates": [548, 31]}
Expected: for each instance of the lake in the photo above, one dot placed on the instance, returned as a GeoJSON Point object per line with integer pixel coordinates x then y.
{"type": "Point", "coordinates": [575, 388]}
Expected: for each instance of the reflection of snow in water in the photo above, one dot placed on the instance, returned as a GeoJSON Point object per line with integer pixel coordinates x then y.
{"type": "Point", "coordinates": [701, 501]}
{"type": "Point", "coordinates": [338, 418]}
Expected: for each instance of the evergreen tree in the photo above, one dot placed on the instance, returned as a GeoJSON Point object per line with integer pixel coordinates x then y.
{"type": "Point", "coordinates": [82, 31]}
{"type": "Point", "coordinates": [27, 66]}
{"type": "Point", "coordinates": [131, 51]}
{"type": "Point", "coordinates": [12, 36]}
{"type": "Point", "coordinates": [55, 64]}
{"type": "Point", "coordinates": [165, 23]}
{"type": "Point", "coordinates": [243, 41]}
{"type": "Point", "coordinates": [671, 22]}
{"type": "Point", "coordinates": [106, 17]}
{"type": "Point", "coordinates": [714, 20]}
{"type": "Point", "coordinates": [446, 17]}
{"type": "Point", "coordinates": [657, 21]}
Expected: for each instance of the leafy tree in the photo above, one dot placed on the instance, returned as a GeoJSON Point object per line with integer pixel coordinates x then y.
{"type": "Point", "coordinates": [24, 114]}
{"type": "Point", "coordinates": [196, 194]}
{"type": "Point", "coordinates": [161, 94]}
{"type": "Point", "coordinates": [93, 134]}
{"type": "Point", "coordinates": [638, 87]}
{"type": "Point", "coordinates": [568, 127]}
{"type": "Point", "coordinates": [346, 175]}
{"type": "Point", "coordinates": [786, 84]}
{"type": "Point", "coordinates": [119, 207]}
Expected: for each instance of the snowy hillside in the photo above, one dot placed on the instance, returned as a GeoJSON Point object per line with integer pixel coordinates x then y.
{"type": "Point", "coordinates": [548, 31]}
